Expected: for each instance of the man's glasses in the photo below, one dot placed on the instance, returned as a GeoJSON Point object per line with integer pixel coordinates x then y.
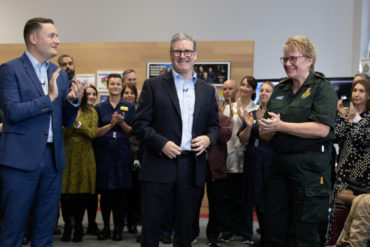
{"type": "Point", "coordinates": [187, 53]}
{"type": "Point", "coordinates": [292, 59]}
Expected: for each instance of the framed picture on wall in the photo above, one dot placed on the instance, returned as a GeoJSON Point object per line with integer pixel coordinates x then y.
{"type": "Point", "coordinates": [154, 69]}
{"type": "Point", "coordinates": [214, 73]}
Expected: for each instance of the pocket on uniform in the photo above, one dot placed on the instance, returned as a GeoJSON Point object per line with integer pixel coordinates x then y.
{"type": "Point", "coordinates": [316, 203]}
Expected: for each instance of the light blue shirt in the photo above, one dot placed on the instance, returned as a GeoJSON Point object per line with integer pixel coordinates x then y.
{"type": "Point", "coordinates": [42, 73]}
{"type": "Point", "coordinates": [186, 93]}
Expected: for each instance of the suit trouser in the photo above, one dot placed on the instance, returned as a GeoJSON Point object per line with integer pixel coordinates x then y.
{"type": "Point", "coordinates": [40, 190]}
{"type": "Point", "coordinates": [155, 201]}
{"type": "Point", "coordinates": [237, 219]}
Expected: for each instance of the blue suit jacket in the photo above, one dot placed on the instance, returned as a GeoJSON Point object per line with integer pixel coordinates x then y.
{"type": "Point", "coordinates": [158, 120]}
{"type": "Point", "coordinates": [27, 113]}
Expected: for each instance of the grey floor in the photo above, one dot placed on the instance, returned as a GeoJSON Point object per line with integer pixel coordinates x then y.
{"type": "Point", "coordinates": [129, 240]}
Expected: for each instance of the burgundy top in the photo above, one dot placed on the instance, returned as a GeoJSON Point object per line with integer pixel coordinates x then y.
{"type": "Point", "coordinates": [218, 154]}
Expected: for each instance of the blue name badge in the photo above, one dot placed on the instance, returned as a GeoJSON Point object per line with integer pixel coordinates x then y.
{"type": "Point", "coordinates": [279, 97]}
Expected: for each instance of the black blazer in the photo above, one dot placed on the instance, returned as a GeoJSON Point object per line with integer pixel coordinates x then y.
{"type": "Point", "coordinates": [158, 120]}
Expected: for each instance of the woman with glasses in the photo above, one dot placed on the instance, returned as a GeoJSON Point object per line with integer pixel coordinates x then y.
{"type": "Point", "coordinates": [299, 122]}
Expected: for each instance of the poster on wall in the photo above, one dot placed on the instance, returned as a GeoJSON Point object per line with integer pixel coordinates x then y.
{"type": "Point", "coordinates": [101, 82]}
{"type": "Point", "coordinates": [86, 79]}
{"type": "Point", "coordinates": [365, 66]}
{"type": "Point", "coordinates": [214, 73]}
{"type": "Point", "coordinates": [154, 69]}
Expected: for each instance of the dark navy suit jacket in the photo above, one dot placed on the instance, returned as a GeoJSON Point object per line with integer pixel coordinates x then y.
{"type": "Point", "coordinates": [27, 114]}
{"type": "Point", "coordinates": [158, 120]}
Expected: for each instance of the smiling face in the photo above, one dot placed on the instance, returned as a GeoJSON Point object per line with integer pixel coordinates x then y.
{"type": "Point", "coordinates": [114, 86]}
{"type": "Point", "coordinates": [130, 78]}
{"type": "Point", "coordinates": [44, 42]}
{"type": "Point", "coordinates": [359, 95]}
{"type": "Point", "coordinates": [245, 89]}
{"type": "Point", "coordinates": [182, 64]}
{"type": "Point", "coordinates": [91, 96]}
{"type": "Point", "coordinates": [129, 95]}
{"type": "Point", "coordinates": [298, 70]}
{"type": "Point", "coordinates": [265, 93]}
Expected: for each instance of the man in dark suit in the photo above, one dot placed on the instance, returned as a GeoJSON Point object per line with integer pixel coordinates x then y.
{"type": "Point", "coordinates": [177, 119]}
{"type": "Point", "coordinates": [36, 101]}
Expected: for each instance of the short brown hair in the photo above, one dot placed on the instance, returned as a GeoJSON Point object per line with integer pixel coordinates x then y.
{"type": "Point", "coordinates": [34, 25]}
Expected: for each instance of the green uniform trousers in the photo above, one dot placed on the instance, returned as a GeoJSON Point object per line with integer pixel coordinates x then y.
{"type": "Point", "coordinates": [297, 199]}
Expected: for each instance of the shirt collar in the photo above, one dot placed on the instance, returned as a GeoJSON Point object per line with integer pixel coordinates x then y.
{"type": "Point", "coordinates": [178, 76]}
{"type": "Point", "coordinates": [34, 61]}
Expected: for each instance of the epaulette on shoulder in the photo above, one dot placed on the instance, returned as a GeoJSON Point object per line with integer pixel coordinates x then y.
{"type": "Point", "coordinates": [283, 80]}
{"type": "Point", "coordinates": [319, 74]}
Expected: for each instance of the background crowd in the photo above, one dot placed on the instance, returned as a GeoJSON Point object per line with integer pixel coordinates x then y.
{"type": "Point", "coordinates": [292, 158]}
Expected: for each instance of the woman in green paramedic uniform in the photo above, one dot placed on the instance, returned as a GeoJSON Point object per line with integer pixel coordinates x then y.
{"type": "Point", "coordinates": [299, 121]}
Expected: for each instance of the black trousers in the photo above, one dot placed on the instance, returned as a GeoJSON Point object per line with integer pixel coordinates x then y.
{"type": "Point", "coordinates": [73, 206]}
{"type": "Point", "coordinates": [215, 190]}
{"type": "Point", "coordinates": [115, 201]}
{"type": "Point", "coordinates": [155, 199]}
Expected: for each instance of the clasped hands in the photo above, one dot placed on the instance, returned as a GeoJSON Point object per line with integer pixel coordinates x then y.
{"type": "Point", "coordinates": [272, 124]}
{"type": "Point", "coordinates": [198, 145]}
{"type": "Point", "coordinates": [117, 118]}
{"type": "Point", "coordinates": [76, 90]}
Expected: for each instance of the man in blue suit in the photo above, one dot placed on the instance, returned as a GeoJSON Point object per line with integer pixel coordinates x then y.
{"type": "Point", "coordinates": [177, 119]}
{"type": "Point", "coordinates": [36, 101]}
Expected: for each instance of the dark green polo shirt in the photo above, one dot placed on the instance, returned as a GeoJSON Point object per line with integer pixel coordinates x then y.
{"type": "Point", "coordinates": [315, 101]}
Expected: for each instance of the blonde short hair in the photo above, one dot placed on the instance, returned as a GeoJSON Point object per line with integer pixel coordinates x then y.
{"type": "Point", "coordinates": [302, 44]}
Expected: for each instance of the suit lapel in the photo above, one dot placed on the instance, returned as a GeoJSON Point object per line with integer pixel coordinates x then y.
{"type": "Point", "coordinates": [169, 85]}
{"type": "Point", "coordinates": [32, 74]}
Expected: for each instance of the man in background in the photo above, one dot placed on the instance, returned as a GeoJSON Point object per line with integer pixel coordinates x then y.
{"type": "Point", "coordinates": [67, 63]}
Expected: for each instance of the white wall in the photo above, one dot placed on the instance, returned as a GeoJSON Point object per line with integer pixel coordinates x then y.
{"type": "Point", "coordinates": [330, 24]}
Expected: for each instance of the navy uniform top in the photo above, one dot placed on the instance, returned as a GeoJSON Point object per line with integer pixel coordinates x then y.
{"type": "Point", "coordinates": [105, 112]}
{"type": "Point", "coordinates": [112, 150]}
{"type": "Point", "coordinates": [315, 101]}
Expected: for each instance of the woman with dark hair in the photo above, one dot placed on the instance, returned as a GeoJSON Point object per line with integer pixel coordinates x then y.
{"type": "Point", "coordinates": [352, 133]}
{"type": "Point", "coordinates": [236, 222]}
{"type": "Point", "coordinates": [130, 94]}
{"type": "Point", "coordinates": [113, 157]}
{"type": "Point", "coordinates": [80, 172]}
{"type": "Point", "coordinates": [257, 157]}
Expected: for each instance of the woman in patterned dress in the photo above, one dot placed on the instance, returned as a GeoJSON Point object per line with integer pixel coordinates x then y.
{"type": "Point", "coordinates": [80, 172]}
{"type": "Point", "coordinates": [353, 135]}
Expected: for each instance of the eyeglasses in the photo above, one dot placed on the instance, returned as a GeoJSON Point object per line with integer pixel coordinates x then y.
{"type": "Point", "coordinates": [292, 59]}
{"type": "Point", "coordinates": [187, 53]}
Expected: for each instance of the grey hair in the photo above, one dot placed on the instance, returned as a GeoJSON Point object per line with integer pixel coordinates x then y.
{"type": "Point", "coordinates": [60, 58]}
{"type": "Point", "coordinates": [127, 71]}
{"type": "Point", "coordinates": [183, 36]}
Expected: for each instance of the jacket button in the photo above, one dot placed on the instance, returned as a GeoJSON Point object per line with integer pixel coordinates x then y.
{"type": "Point", "coordinates": [46, 133]}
